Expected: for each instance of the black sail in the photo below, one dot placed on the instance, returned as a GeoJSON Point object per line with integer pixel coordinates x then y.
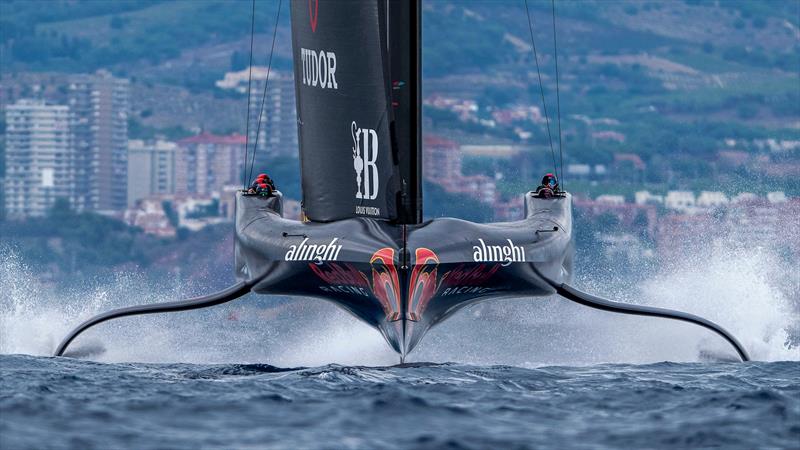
{"type": "Point", "coordinates": [348, 164]}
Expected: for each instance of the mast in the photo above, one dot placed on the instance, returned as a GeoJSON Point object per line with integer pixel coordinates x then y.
{"type": "Point", "coordinates": [405, 68]}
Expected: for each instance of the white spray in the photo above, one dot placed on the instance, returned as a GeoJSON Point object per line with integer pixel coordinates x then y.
{"type": "Point", "coordinates": [735, 289]}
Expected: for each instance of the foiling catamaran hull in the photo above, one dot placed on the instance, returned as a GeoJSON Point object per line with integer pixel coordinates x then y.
{"type": "Point", "coordinates": [403, 279]}
{"type": "Point", "coordinates": [364, 245]}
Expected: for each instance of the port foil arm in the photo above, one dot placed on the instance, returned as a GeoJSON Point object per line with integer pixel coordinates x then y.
{"type": "Point", "coordinates": [231, 293]}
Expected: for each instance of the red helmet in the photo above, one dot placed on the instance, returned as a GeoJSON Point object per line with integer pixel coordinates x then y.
{"type": "Point", "coordinates": [261, 176]}
{"type": "Point", "coordinates": [263, 185]}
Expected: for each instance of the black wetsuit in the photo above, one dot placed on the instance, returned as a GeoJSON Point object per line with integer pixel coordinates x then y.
{"type": "Point", "coordinates": [545, 191]}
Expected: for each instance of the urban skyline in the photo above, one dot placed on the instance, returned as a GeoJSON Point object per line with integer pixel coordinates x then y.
{"type": "Point", "coordinates": [77, 150]}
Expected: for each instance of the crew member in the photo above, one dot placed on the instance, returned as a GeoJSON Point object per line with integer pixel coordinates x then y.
{"type": "Point", "coordinates": [269, 182]}
{"type": "Point", "coordinates": [549, 186]}
{"type": "Point", "coordinates": [255, 186]}
{"type": "Point", "coordinates": [258, 181]}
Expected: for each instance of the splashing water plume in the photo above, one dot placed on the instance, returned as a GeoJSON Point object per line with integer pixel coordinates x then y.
{"type": "Point", "coordinates": [731, 288]}
{"type": "Point", "coordinates": [734, 288]}
{"type": "Point", "coordinates": [35, 317]}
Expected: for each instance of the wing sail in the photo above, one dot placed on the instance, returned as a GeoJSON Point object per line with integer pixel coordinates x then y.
{"type": "Point", "coordinates": [344, 109]}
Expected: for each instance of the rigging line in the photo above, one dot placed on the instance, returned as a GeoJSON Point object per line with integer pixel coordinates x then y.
{"type": "Point", "coordinates": [249, 83]}
{"type": "Point", "coordinates": [541, 88]}
{"type": "Point", "coordinates": [266, 83]}
{"type": "Point", "coordinates": [558, 99]}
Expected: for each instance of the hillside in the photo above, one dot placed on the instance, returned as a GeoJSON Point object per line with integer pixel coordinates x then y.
{"type": "Point", "coordinates": [675, 79]}
{"type": "Point", "coordinates": [69, 249]}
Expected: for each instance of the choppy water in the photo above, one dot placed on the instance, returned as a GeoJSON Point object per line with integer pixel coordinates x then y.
{"type": "Point", "coordinates": [65, 403]}
{"type": "Point", "coordinates": [529, 373]}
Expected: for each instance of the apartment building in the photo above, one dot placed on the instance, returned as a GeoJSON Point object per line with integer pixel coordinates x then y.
{"type": "Point", "coordinates": [99, 106]}
{"type": "Point", "coordinates": [151, 169]}
{"type": "Point", "coordinates": [39, 158]}
{"type": "Point", "coordinates": [206, 163]}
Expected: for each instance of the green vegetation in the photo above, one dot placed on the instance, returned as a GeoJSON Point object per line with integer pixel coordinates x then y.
{"type": "Point", "coordinates": [68, 240]}
{"type": "Point", "coordinates": [756, 11]}
{"type": "Point", "coordinates": [445, 34]}
{"type": "Point", "coordinates": [72, 248]}
{"type": "Point", "coordinates": [137, 130]}
{"type": "Point", "coordinates": [210, 210]}
{"type": "Point", "coordinates": [82, 36]}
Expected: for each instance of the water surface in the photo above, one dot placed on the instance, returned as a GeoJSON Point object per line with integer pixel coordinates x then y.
{"type": "Point", "coordinates": [68, 403]}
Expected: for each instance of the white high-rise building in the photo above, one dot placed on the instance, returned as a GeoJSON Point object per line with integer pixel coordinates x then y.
{"type": "Point", "coordinates": [151, 169]}
{"type": "Point", "coordinates": [99, 107]}
{"type": "Point", "coordinates": [39, 158]}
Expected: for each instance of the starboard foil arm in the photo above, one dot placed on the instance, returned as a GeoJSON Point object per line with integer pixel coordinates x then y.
{"type": "Point", "coordinates": [592, 301]}
{"type": "Point", "coordinates": [231, 293]}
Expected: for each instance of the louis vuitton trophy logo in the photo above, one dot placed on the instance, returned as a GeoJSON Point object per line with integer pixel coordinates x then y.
{"type": "Point", "coordinates": [365, 154]}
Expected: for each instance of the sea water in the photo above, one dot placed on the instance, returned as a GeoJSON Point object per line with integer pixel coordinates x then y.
{"type": "Point", "coordinates": [66, 403]}
{"type": "Point", "coordinates": [523, 373]}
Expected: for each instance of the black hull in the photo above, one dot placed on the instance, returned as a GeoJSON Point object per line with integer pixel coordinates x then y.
{"type": "Point", "coordinates": [403, 279]}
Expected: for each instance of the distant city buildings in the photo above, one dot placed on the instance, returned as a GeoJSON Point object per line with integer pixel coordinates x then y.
{"type": "Point", "coordinates": [77, 151]}
{"type": "Point", "coordinates": [777, 197]}
{"type": "Point", "coordinates": [187, 184]}
{"type": "Point", "coordinates": [151, 169]}
{"type": "Point", "coordinates": [708, 199]}
{"type": "Point", "coordinates": [681, 223]}
{"type": "Point", "coordinates": [150, 215]}
{"type": "Point", "coordinates": [442, 166]}
{"type": "Point", "coordinates": [466, 110]}
{"type": "Point", "coordinates": [586, 171]}
{"type": "Point", "coordinates": [75, 145]}
{"type": "Point", "coordinates": [99, 107]}
{"type": "Point", "coordinates": [197, 166]}
{"type": "Point", "coordinates": [514, 117]}
{"type": "Point", "coordinates": [772, 222]}
{"type": "Point", "coordinates": [748, 224]}
{"type": "Point", "coordinates": [277, 134]}
{"type": "Point", "coordinates": [39, 159]}
{"type": "Point", "coordinates": [680, 200]}
{"type": "Point", "coordinates": [630, 167]}
{"type": "Point", "coordinates": [646, 198]}
{"type": "Point", "coordinates": [612, 136]}
{"type": "Point", "coordinates": [611, 199]}
{"type": "Point", "coordinates": [207, 162]}
{"type": "Point", "coordinates": [643, 217]}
